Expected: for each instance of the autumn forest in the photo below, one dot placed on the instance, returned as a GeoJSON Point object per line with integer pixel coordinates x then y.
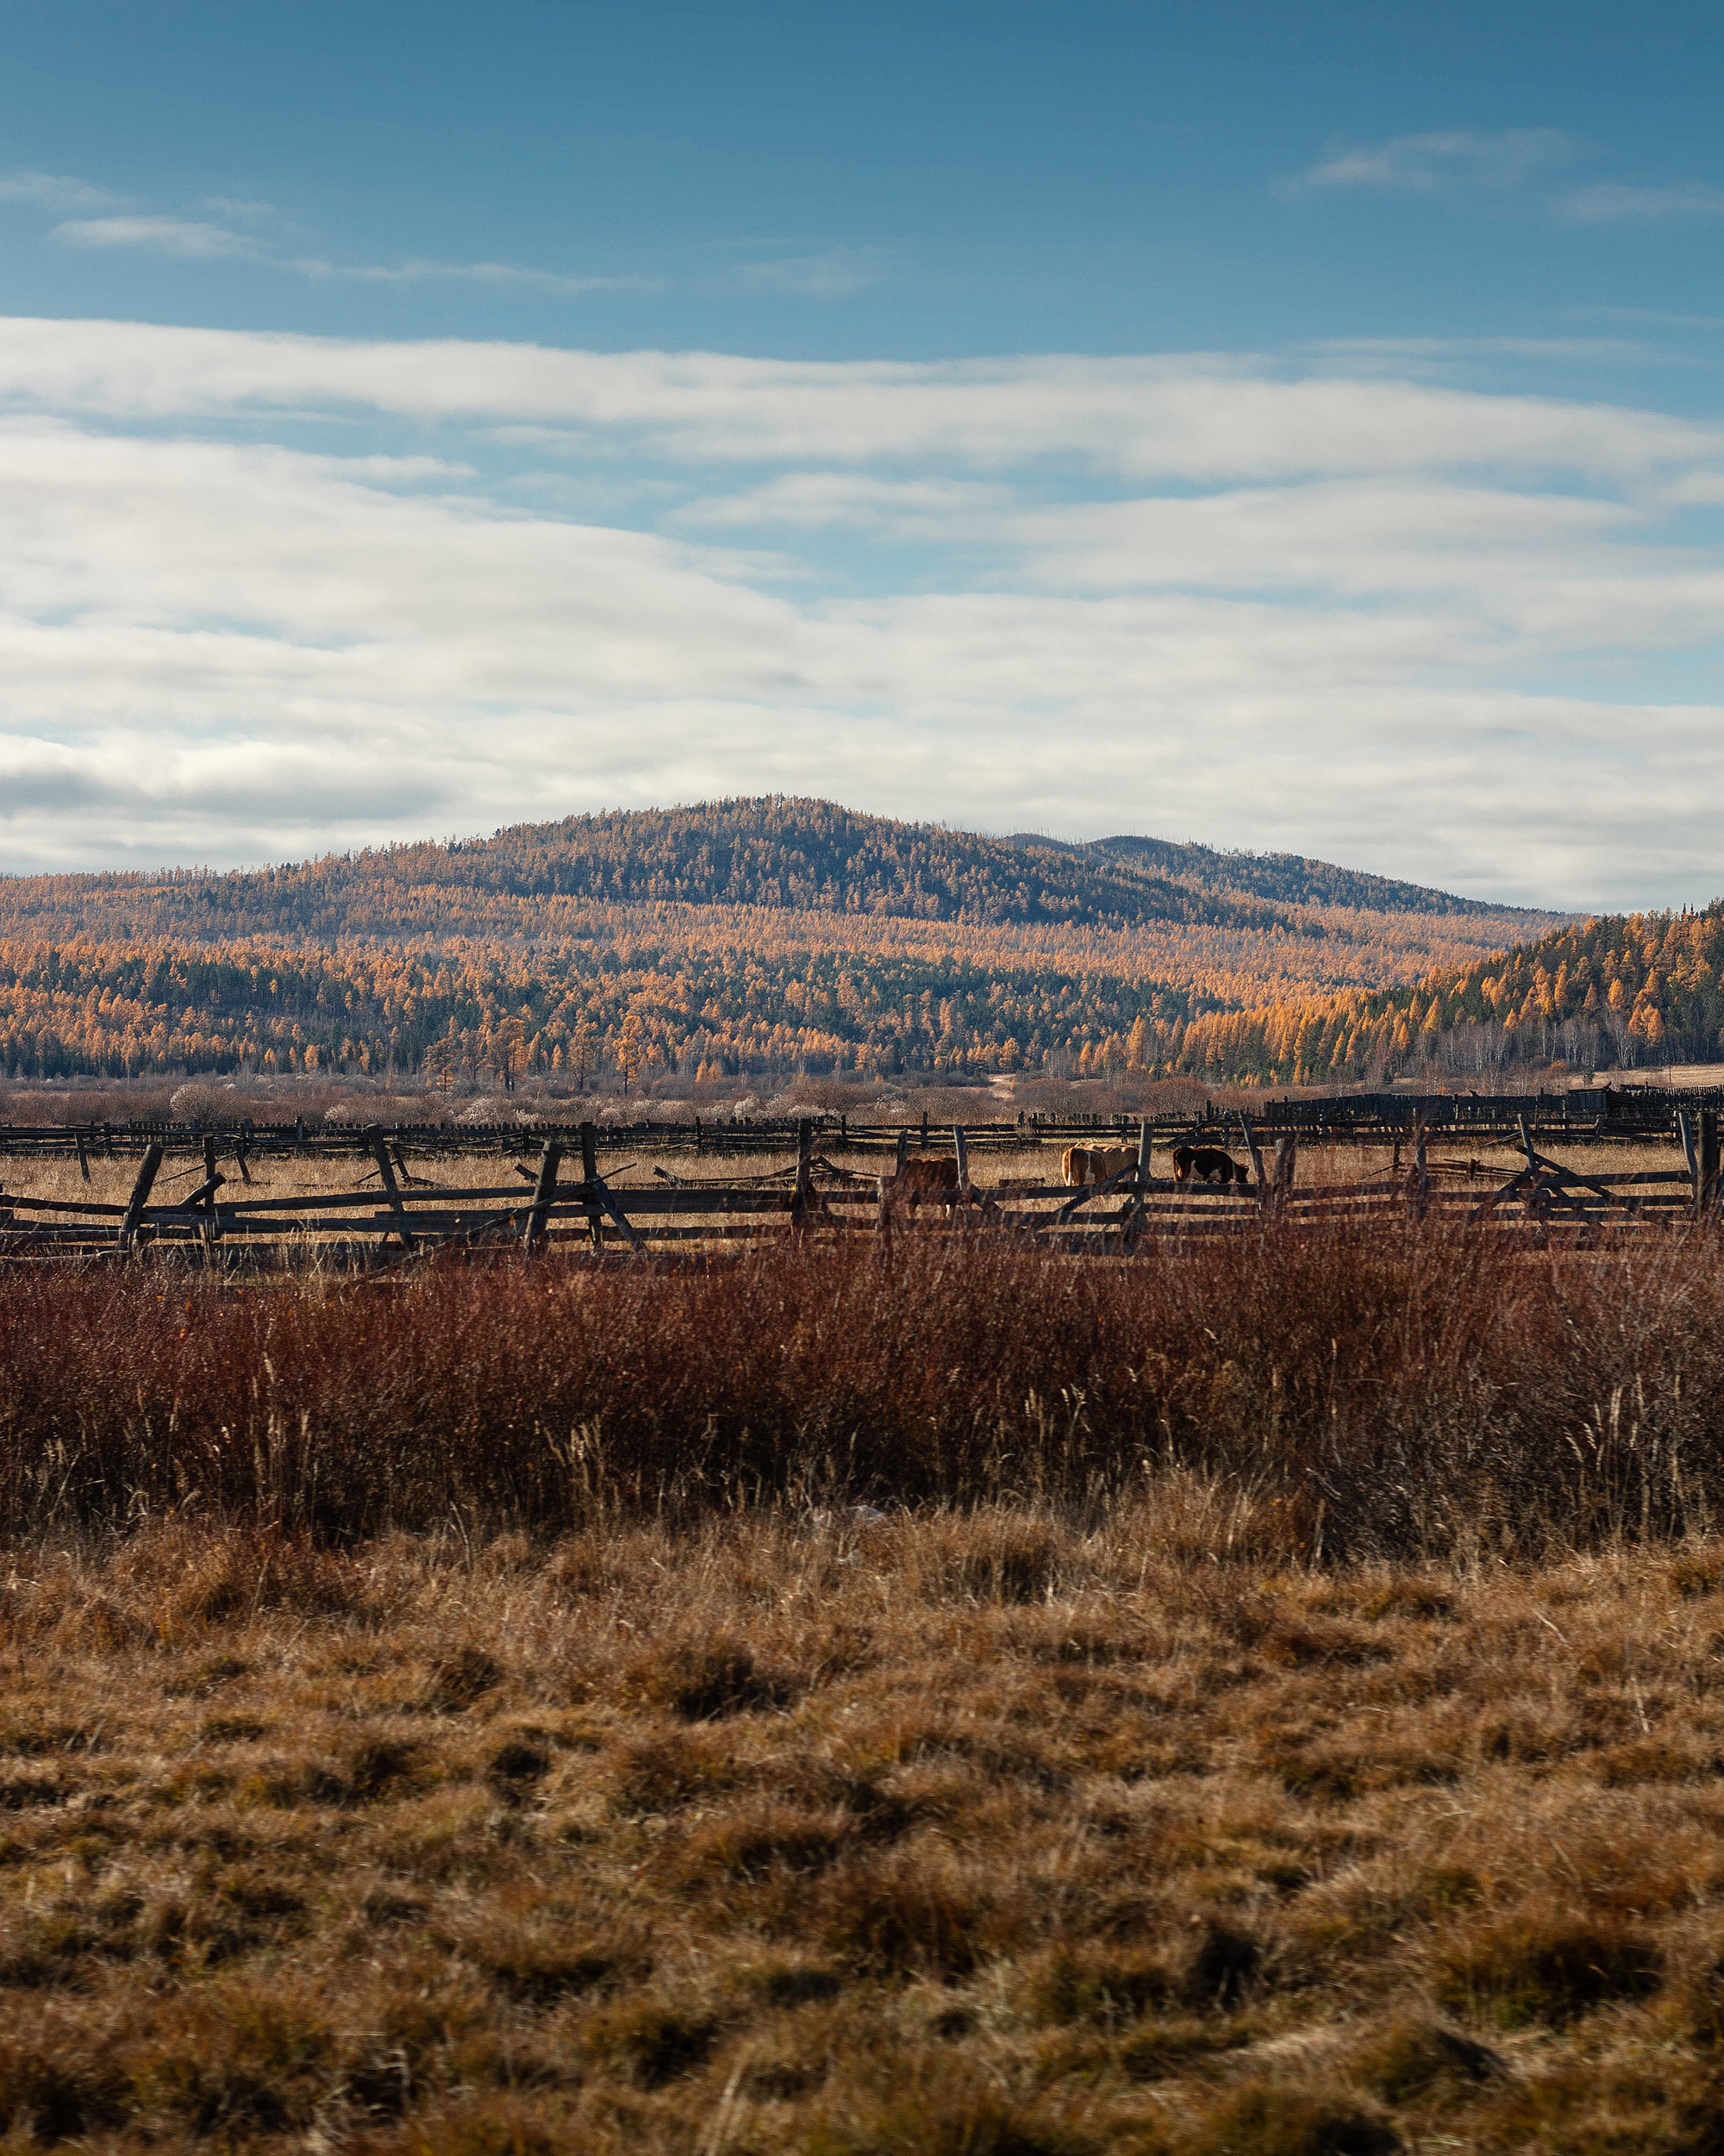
{"type": "Point", "coordinates": [763, 936]}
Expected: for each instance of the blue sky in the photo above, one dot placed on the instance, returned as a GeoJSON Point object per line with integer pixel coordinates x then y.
{"type": "Point", "coordinates": [1280, 427]}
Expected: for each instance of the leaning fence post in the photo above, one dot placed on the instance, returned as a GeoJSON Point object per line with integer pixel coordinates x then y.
{"type": "Point", "coordinates": [1421, 1174]}
{"type": "Point", "coordinates": [141, 1194]}
{"type": "Point", "coordinates": [544, 1193]}
{"type": "Point", "coordinates": [82, 1157]}
{"type": "Point", "coordinates": [386, 1170]}
{"type": "Point", "coordinates": [960, 1146]}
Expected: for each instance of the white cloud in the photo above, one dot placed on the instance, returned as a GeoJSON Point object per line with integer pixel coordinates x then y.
{"type": "Point", "coordinates": [190, 238]}
{"type": "Point", "coordinates": [1432, 164]}
{"type": "Point", "coordinates": [1607, 202]}
{"type": "Point", "coordinates": [423, 272]}
{"type": "Point", "coordinates": [55, 190]}
{"type": "Point", "coordinates": [1201, 418]}
{"type": "Point", "coordinates": [824, 273]}
{"type": "Point", "coordinates": [1407, 626]}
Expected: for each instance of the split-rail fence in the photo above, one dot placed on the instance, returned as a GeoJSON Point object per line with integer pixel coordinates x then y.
{"type": "Point", "coordinates": [563, 1203]}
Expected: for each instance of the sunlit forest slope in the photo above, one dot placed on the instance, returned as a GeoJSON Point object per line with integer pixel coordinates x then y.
{"type": "Point", "coordinates": [727, 939]}
{"type": "Point", "coordinates": [1615, 991]}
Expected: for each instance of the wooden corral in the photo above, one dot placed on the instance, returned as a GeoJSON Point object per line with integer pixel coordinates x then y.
{"type": "Point", "coordinates": [563, 1203]}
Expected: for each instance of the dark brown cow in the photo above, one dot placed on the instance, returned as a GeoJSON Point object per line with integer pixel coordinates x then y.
{"type": "Point", "coordinates": [921, 1177]}
{"type": "Point", "coordinates": [1207, 1163]}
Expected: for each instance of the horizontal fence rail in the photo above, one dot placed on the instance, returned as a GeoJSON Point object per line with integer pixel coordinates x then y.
{"type": "Point", "coordinates": [563, 1200]}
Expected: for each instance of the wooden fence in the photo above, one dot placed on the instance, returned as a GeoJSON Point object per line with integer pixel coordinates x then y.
{"type": "Point", "coordinates": [546, 1210]}
{"type": "Point", "coordinates": [1625, 1115]}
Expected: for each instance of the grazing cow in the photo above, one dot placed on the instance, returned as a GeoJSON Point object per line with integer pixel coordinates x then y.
{"type": "Point", "coordinates": [1096, 1164]}
{"type": "Point", "coordinates": [923, 1177]}
{"type": "Point", "coordinates": [1207, 1163]}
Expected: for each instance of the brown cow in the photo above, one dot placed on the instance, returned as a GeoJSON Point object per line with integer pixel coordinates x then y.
{"type": "Point", "coordinates": [1096, 1164]}
{"type": "Point", "coordinates": [921, 1177]}
{"type": "Point", "coordinates": [1207, 1163]}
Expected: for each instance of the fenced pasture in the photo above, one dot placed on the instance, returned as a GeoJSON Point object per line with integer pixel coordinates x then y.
{"type": "Point", "coordinates": [246, 1199]}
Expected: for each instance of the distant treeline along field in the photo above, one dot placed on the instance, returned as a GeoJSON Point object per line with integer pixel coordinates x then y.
{"type": "Point", "coordinates": [770, 935]}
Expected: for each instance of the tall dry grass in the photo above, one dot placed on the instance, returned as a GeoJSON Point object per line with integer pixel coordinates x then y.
{"type": "Point", "coordinates": [1398, 1393]}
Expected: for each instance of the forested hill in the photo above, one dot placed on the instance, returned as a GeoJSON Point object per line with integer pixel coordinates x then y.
{"type": "Point", "coordinates": [790, 855]}
{"type": "Point", "coordinates": [794, 855]}
{"type": "Point", "coordinates": [1287, 879]}
{"type": "Point", "coordinates": [736, 939]}
{"type": "Point", "coordinates": [1616, 990]}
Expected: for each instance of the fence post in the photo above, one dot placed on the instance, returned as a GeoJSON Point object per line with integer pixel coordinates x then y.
{"type": "Point", "coordinates": [1256, 1153]}
{"type": "Point", "coordinates": [134, 1213]}
{"type": "Point", "coordinates": [903, 1148]}
{"type": "Point", "coordinates": [1685, 1131]}
{"type": "Point", "coordinates": [1709, 1162]}
{"type": "Point", "coordinates": [590, 1177]}
{"type": "Point", "coordinates": [1137, 1212]}
{"type": "Point", "coordinates": [803, 1197]}
{"type": "Point", "coordinates": [960, 1146]}
{"type": "Point", "coordinates": [543, 1194]}
{"type": "Point", "coordinates": [212, 1218]}
{"type": "Point", "coordinates": [1421, 1174]}
{"type": "Point", "coordinates": [1281, 1174]}
{"type": "Point", "coordinates": [82, 1157]}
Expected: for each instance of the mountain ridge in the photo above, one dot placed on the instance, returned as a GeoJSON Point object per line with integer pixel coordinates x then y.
{"type": "Point", "coordinates": [1283, 878]}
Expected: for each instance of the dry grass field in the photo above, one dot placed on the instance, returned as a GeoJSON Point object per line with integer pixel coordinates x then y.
{"type": "Point", "coordinates": [997, 1833]}
{"type": "Point", "coordinates": [1266, 1700]}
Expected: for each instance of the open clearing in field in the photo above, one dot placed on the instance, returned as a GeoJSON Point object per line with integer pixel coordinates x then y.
{"type": "Point", "coordinates": [828, 1832]}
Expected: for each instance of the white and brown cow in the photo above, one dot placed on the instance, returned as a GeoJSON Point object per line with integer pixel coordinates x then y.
{"type": "Point", "coordinates": [1096, 1164]}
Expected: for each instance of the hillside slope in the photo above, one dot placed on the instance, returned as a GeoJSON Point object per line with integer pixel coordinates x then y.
{"type": "Point", "coordinates": [1285, 879]}
{"type": "Point", "coordinates": [738, 937]}
{"type": "Point", "coordinates": [1619, 990]}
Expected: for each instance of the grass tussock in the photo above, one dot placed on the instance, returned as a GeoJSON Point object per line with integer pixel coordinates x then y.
{"type": "Point", "coordinates": [1340, 1393]}
{"type": "Point", "coordinates": [790, 1832]}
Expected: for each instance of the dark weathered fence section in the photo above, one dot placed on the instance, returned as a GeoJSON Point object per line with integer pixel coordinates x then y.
{"type": "Point", "coordinates": [398, 1214]}
{"type": "Point", "coordinates": [1363, 1119]}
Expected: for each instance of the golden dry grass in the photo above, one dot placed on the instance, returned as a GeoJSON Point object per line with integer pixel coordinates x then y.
{"type": "Point", "coordinates": [824, 1832]}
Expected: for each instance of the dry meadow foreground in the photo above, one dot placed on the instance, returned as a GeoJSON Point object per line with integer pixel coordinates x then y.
{"type": "Point", "coordinates": [1268, 1699]}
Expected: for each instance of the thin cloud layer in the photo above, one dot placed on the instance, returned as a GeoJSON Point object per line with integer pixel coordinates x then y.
{"type": "Point", "coordinates": [188, 239]}
{"type": "Point", "coordinates": [1606, 203]}
{"type": "Point", "coordinates": [1458, 157]}
{"type": "Point", "coordinates": [1443, 634]}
